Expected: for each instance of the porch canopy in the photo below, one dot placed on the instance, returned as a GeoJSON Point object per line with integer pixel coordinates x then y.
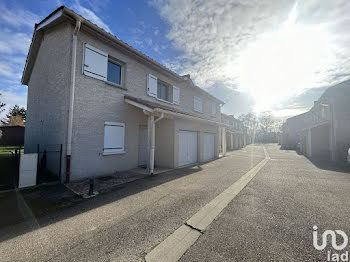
{"type": "Point", "coordinates": [152, 109]}
{"type": "Point", "coordinates": [159, 109]}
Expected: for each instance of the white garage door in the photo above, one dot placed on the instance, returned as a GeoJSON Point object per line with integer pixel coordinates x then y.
{"type": "Point", "coordinates": [187, 148]}
{"type": "Point", "coordinates": [209, 146]}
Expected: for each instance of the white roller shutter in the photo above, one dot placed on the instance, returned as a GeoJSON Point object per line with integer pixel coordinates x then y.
{"type": "Point", "coordinates": [114, 137]}
{"type": "Point", "coordinates": [95, 62]}
{"type": "Point", "coordinates": [152, 85]}
{"type": "Point", "coordinates": [176, 95]}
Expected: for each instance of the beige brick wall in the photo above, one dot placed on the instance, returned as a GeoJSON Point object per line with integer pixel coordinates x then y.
{"type": "Point", "coordinates": [97, 102]}
{"type": "Point", "coordinates": [48, 90]}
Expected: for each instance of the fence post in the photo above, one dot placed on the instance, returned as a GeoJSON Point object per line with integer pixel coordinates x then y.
{"type": "Point", "coordinates": [38, 151]}
{"type": "Point", "coordinates": [59, 170]}
{"type": "Point", "coordinates": [37, 176]}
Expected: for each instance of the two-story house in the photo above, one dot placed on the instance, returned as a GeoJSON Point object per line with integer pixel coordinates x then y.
{"type": "Point", "coordinates": [323, 132]}
{"type": "Point", "coordinates": [111, 107]}
{"type": "Point", "coordinates": [235, 132]}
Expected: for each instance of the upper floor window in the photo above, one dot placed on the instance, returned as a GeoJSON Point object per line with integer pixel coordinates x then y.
{"type": "Point", "coordinates": [114, 73]}
{"type": "Point", "coordinates": [163, 91]}
{"type": "Point", "coordinates": [197, 104]}
{"type": "Point", "coordinates": [98, 64]}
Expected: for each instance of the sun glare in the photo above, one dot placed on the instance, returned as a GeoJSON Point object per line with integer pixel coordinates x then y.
{"type": "Point", "coordinates": [284, 62]}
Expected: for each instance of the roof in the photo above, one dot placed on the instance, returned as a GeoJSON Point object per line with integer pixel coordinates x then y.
{"type": "Point", "coordinates": [63, 13]}
{"type": "Point", "coordinates": [340, 89]}
{"type": "Point", "coordinates": [230, 116]}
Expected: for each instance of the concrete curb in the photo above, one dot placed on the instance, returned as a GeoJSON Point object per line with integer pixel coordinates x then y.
{"type": "Point", "coordinates": [175, 245]}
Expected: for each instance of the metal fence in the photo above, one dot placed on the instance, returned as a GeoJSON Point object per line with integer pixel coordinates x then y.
{"type": "Point", "coordinates": [9, 166]}
{"type": "Point", "coordinates": [49, 162]}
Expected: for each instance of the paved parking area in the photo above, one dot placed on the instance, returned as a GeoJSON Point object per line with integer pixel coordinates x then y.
{"type": "Point", "coordinates": [125, 224]}
{"type": "Point", "coordinates": [272, 218]}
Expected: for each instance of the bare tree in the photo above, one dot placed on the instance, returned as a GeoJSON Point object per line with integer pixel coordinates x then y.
{"type": "Point", "coordinates": [2, 105]}
{"type": "Point", "coordinates": [250, 122]}
{"type": "Point", "coordinates": [249, 119]}
{"type": "Point", "coordinates": [266, 122]}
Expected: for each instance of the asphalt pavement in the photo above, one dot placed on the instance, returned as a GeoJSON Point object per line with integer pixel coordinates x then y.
{"type": "Point", "coordinates": [125, 224]}
{"type": "Point", "coordinates": [272, 218]}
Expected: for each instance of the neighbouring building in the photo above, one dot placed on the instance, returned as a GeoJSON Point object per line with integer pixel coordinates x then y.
{"type": "Point", "coordinates": [324, 131]}
{"type": "Point", "coordinates": [110, 106]}
{"type": "Point", "coordinates": [12, 135]}
{"type": "Point", "coordinates": [236, 132]}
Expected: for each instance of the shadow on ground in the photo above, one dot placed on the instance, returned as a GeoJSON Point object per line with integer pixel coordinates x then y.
{"type": "Point", "coordinates": [325, 164]}
{"type": "Point", "coordinates": [21, 213]}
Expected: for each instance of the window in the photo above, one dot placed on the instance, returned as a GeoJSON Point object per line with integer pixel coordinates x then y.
{"type": "Point", "coordinates": [114, 73]}
{"type": "Point", "coordinates": [113, 138]}
{"type": "Point", "coordinates": [98, 65]}
{"type": "Point", "coordinates": [197, 104]}
{"type": "Point", "coordinates": [163, 91]}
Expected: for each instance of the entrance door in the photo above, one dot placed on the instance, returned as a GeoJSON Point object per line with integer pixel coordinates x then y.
{"type": "Point", "coordinates": [143, 146]}
{"type": "Point", "coordinates": [187, 147]}
{"type": "Point", "coordinates": [209, 146]}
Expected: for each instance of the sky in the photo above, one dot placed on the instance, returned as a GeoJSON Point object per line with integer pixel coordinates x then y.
{"type": "Point", "coordinates": [256, 55]}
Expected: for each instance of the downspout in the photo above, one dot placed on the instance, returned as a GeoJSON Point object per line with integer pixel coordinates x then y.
{"type": "Point", "coordinates": [71, 100]}
{"type": "Point", "coordinates": [159, 118]}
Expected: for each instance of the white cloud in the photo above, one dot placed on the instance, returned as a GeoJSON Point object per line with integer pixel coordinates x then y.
{"type": "Point", "coordinates": [11, 98]}
{"type": "Point", "coordinates": [261, 47]}
{"type": "Point", "coordinates": [90, 15]}
{"type": "Point", "coordinates": [16, 26]}
{"type": "Point", "coordinates": [7, 71]}
{"type": "Point", "coordinates": [18, 17]}
{"type": "Point", "coordinates": [14, 42]}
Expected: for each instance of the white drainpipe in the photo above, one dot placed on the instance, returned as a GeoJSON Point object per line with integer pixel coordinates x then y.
{"type": "Point", "coordinates": [71, 101]}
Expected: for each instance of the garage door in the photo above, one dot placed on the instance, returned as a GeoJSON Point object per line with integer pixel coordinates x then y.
{"type": "Point", "coordinates": [209, 146]}
{"type": "Point", "coordinates": [187, 148]}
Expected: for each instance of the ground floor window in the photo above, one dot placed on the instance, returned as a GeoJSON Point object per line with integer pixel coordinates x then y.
{"type": "Point", "coordinates": [114, 135]}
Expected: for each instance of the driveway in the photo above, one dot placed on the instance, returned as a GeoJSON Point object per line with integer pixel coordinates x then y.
{"type": "Point", "coordinates": [272, 218]}
{"type": "Point", "coordinates": [125, 224]}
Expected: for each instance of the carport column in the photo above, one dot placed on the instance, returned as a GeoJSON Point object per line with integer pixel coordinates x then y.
{"type": "Point", "coordinates": [223, 140]}
{"type": "Point", "coordinates": [309, 145]}
{"type": "Point", "coordinates": [151, 142]}
{"type": "Point", "coordinates": [333, 139]}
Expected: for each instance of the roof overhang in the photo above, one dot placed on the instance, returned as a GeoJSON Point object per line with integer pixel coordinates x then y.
{"type": "Point", "coordinates": [168, 112]}
{"type": "Point", "coordinates": [327, 122]}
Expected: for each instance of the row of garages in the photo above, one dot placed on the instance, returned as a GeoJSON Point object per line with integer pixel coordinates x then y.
{"type": "Point", "coordinates": [188, 147]}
